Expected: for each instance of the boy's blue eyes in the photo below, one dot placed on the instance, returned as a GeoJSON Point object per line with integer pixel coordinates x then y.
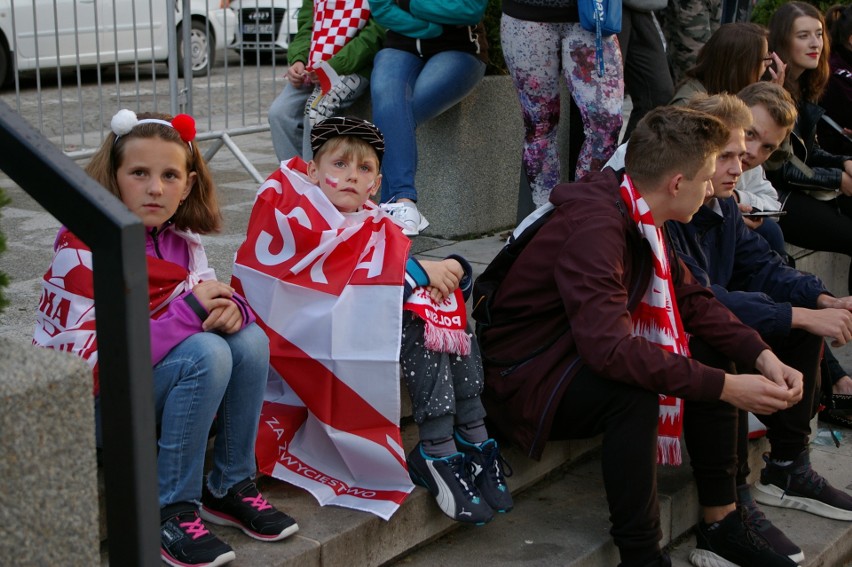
{"type": "Point", "coordinates": [365, 168]}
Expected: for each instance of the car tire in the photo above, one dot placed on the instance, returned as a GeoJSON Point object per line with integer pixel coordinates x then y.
{"type": "Point", "coordinates": [5, 64]}
{"type": "Point", "coordinates": [202, 46]}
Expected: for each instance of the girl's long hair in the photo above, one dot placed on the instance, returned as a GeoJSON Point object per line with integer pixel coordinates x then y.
{"type": "Point", "coordinates": [731, 59]}
{"type": "Point", "coordinates": [200, 210]}
{"type": "Point", "coordinates": [811, 83]}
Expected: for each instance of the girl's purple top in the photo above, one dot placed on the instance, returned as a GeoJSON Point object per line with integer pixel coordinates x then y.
{"type": "Point", "coordinates": [179, 321]}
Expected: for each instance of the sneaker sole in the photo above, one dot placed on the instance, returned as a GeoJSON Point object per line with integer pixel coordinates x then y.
{"type": "Point", "coordinates": [424, 224]}
{"type": "Point", "coordinates": [771, 495]}
{"type": "Point", "coordinates": [220, 519]}
{"type": "Point", "coordinates": [221, 560]}
{"type": "Point", "coordinates": [706, 558]}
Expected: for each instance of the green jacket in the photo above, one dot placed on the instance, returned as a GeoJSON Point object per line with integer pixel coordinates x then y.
{"type": "Point", "coordinates": [354, 57]}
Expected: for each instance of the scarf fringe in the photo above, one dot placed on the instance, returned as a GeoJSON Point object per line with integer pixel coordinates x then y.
{"type": "Point", "coordinates": [668, 450]}
{"type": "Point", "coordinates": [657, 319]}
{"type": "Point", "coordinates": [440, 339]}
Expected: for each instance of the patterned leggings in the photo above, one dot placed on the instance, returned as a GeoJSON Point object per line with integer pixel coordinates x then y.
{"type": "Point", "coordinates": [535, 54]}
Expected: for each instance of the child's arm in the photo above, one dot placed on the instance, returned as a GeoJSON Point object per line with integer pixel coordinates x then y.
{"type": "Point", "coordinates": [359, 51]}
{"type": "Point", "coordinates": [442, 276]}
{"type": "Point", "coordinates": [297, 51]}
{"type": "Point", "coordinates": [193, 313]}
{"type": "Point", "coordinates": [218, 299]}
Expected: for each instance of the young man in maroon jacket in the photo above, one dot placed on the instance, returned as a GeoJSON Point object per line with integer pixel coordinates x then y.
{"type": "Point", "coordinates": [588, 336]}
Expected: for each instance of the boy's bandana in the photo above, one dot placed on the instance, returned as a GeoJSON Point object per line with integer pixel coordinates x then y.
{"type": "Point", "coordinates": [657, 319]}
{"type": "Point", "coordinates": [327, 288]}
{"type": "Point", "coordinates": [65, 319]}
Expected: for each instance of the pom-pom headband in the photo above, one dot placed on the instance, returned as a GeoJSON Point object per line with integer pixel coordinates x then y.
{"type": "Point", "coordinates": [125, 120]}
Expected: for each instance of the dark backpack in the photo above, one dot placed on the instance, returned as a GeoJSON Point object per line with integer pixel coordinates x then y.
{"type": "Point", "coordinates": [485, 286]}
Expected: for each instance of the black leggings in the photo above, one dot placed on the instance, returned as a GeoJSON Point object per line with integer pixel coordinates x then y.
{"type": "Point", "coordinates": [819, 225]}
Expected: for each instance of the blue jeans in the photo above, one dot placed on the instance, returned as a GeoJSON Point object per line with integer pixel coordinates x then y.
{"type": "Point", "coordinates": [205, 376]}
{"type": "Point", "coordinates": [408, 91]}
{"type": "Point", "coordinates": [287, 123]}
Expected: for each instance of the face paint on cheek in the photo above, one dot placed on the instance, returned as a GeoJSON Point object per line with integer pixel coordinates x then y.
{"type": "Point", "coordinates": [331, 181]}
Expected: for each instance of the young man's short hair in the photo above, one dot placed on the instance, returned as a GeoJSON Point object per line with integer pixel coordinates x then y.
{"type": "Point", "coordinates": [732, 111]}
{"type": "Point", "coordinates": [670, 140]}
{"type": "Point", "coordinates": [775, 99]}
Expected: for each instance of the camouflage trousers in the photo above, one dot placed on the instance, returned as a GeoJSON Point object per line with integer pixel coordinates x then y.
{"type": "Point", "coordinates": [688, 26]}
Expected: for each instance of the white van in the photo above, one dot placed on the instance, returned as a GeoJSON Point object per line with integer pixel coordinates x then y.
{"type": "Point", "coordinates": [64, 33]}
{"type": "Point", "coordinates": [265, 27]}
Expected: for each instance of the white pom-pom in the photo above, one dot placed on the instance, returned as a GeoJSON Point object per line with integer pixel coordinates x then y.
{"type": "Point", "coordinates": [123, 122]}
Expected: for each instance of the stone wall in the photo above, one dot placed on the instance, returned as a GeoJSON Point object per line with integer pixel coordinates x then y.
{"type": "Point", "coordinates": [48, 472]}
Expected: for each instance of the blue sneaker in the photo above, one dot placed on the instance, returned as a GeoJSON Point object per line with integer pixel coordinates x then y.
{"type": "Point", "coordinates": [488, 472]}
{"type": "Point", "coordinates": [448, 479]}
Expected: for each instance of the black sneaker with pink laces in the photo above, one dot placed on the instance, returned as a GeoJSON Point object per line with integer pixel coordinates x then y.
{"type": "Point", "coordinates": [244, 507]}
{"type": "Point", "coordinates": [185, 540]}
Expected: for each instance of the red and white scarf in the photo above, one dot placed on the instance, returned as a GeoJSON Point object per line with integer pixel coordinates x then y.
{"type": "Point", "coordinates": [327, 288]}
{"type": "Point", "coordinates": [657, 319]}
{"type": "Point", "coordinates": [446, 322]}
{"type": "Point", "coordinates": [65, 319]}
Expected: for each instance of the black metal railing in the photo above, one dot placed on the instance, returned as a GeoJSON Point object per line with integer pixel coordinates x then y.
{"type": "Point", "coordinates": [117, 240]}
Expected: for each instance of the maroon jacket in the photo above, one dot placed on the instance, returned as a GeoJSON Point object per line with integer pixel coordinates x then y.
{"type": "Point", "coordinates": [564, 304]}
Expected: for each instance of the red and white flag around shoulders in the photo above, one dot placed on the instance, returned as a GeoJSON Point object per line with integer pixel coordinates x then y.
{"type": "Point", "coordinates": [327, 288]}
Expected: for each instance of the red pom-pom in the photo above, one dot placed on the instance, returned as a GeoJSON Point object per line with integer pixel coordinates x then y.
{"type": "Point", "coordinates": [185, 125]}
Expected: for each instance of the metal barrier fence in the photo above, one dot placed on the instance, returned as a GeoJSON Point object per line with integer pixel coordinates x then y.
{"type": "Point", "coordinates": [69, 65]}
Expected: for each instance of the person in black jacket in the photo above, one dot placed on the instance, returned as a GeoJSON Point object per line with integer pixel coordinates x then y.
{"type": "Point", "coordinates": [815, 186]}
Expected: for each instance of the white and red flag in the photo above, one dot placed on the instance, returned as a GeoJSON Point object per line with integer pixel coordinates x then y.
{"type": "Point", "coordinates": [327, 288]}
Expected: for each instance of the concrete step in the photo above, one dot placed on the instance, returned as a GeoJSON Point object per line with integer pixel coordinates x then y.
{"type": "Point", "coordinates": [564, 522]}
{"type": "Point", "coordinates": [825, 542]}
{"type": "Point", "coordinates": [331, 536]}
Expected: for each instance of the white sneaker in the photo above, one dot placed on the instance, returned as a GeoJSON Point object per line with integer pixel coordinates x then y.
{"type": "Point", "coordinates": [406, 213]}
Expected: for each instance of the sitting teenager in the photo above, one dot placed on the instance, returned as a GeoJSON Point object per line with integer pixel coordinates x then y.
{"type": "Point", "coordinates": [815, 185]}
{"type": "Point", "coordinates": [580, 344]}
{"type": "Point", "coordinates": [773, 116]}
{"type": "Point", "coordinates": [791, 310]}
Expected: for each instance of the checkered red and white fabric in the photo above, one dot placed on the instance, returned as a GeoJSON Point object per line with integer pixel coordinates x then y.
{"type": "Point", "coordinates": [335, 23]}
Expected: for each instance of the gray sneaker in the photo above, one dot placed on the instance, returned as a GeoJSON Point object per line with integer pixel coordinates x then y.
{"type": "Point", "coordinates": [800, 487]}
